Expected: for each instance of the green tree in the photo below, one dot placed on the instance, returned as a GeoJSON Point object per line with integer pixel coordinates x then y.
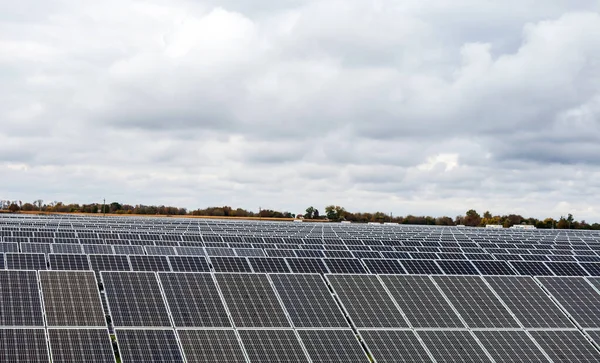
{"type": "Point", "coordinates": [472, 218]}
{"type": "Point", "coordinates": [310, 213]}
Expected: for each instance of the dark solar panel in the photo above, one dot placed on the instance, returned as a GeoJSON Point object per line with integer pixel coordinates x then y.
{"type": "Point", "coordinates": [272, 346]}
{"type": "Point", "coordinates": [230, 264]}
{"type": "Point", "coordinates": [23, 346]}
{"type": "Point", "coordinates": [457, 267]}
{"type": "Point", "coordinates": [566, 346]}
{"type": "Point", "coordinates": [251, 300]}
{"type": "Point", "coordinates": [308, 301]}
{"type": "Point", "coordinates": [494, 268]}
{"type": "Point", "coordinates": [67, 248]}
{"type": "Point", "coordinates": [20, 303]}
{"type": "Point", "coordinates": [592, 268]}
{"type": "Point", "coordinates": [81, 345]}
{"type": "Point", "coordinates": [71, 298]}
{"type": "Point", "coordinates": [453, 346]}
{"type": "Point", "coordinates": [395, 346]}
{"type": "Point", "coordinates": [366, 301]}
{"type": "Point", "coordinates": [421, 301]}
{"type": "Point", "coordinates": [134, 299]}
{"type": "Point", "coordinates": [189, 264]}
{"type": "Point", "coordinates": [345, 266]}
{"type": "Point", "coordinates": [379, 266]}
{"type": "Point", "coordinates": [307, 265]}
{"type": "Point", "coordinates": [421, 267]}
{"type": "Point", "coordinates": [148, 346]}
{"type": "Point", "coordinates": [510, 346]}
{"type": "Point", "coordinates": [566, 269]}
{"type": "Point", "coordinates": [109, 263]}
{"type": "Point", "coordinates": [333, 346]}
{"type": "Point", "coordinates": [528, 302]}
{"type": "Point", "coordinates": [531, 268]}
{"type": "Point", "coordinates": [194, 300]}
{"type": "Point", "coordinates": [268, 264]}
{"type": "Point", "coordinates": [211, 346]}
{"type": "Point", "coordinates": [577, 297]}
{"type": "Point", "coordinates": [26, 261]}
{"type": "Point", "coordinates": [149, 263]}
{"type": "Point", "coordinates": [475, 302]}
{"type": "Point", "coordinates": [68, 262]}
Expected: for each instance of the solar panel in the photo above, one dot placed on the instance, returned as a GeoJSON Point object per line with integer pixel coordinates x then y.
{"type": "Point", "coordinates": [475, 302]}
{"type": "Point", "coordinates": [379, 266]}
{"type": "Point", "coordinates": [230, 264]}
{"type": "Point", "coordinates": [67, 248]}
{"type": "Point", "coordinates": [251, 300]}
{"type": "Point", "coordinates": [134, 299]}
{"type": "Point", "coordinates": [307, 265]}
{"type": "Point", "coordinates": [148, 346]}
{"type": "Point", "coordinates": [268, 264]}
{"type": "Point", "coordinates": [219, 251]}
{"type": "Point", "coordinates": [68, 262]}
{"type": "Point", "coordinates": [9, 247]}
{"type": "Point", "coordinates": [366, 301]}
{"type": "Point", "coordinates": [211, 346]}
{"type": "Point", "coordinates": [566, 346]}
{"type": "Point", "coordinates": [510, 346]}
{"type": "Point", "coordinates": [128, 250]}
{"type": "Point", "coordinates": [189, 264]}
{"type": "Point", "coordinates": [109, 263]}
{"type": "Point", "coordinates": [333, 346]}
{"type": "Point", "coordinates": [457, 267]}
{"type": "Point", "coordinates": [160, 250]}
{"type": "Point", "coordinates": [345, 266]}
{"type": "Point", "coordinates": [149, 263]}
{"type": "Point", "coordinates": [394, 346]}
{"type": "Point", "coordinates": [453, 346]}
{"type": "Point", "coordinates": [26, 261]}
{"type": "Point", "coordinates": [20, 303]}
{"type": "Point", "coordinates": [81, 345]}
{"type": "Point", "coordinates": [23, 345]}
{"type": "Point", "coordinates": [577, 297]}
{"type": "Point", "coordinates": [36, 248]}
{"type": "Point", "coordinates": [421, 267]}
{"type": "Point", "coordinates": [493, 267]}
{"type": "Point", "coordinates": [71, 298]}
{"type": "Point", "coordinates": [190, 251]}
{"type": "Point", "coordinates": [194, 300]}
{"type": "Point", "coordinates": [98, 249]}
{"type": "Point", "coordinates": [528, 302]}
{"type": "Point", "coordinates": [566, 269]}
{"type": "Point", "coordinates": [250, 252]}
{"type": "Point", "coordinates": [308, 301]}
{"type": "Point", "coordinates": [421, 301]}
{"type": "Point", "coordinates": [272, 346]}
{"type": "Point", "coordinates": [531, 268]}
{"type": "Point", "coordinates": [592, 268]}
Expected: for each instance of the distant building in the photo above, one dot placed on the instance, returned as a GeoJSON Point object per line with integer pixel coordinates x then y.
{"type": "Point", "coordinates": [523, 226]}
{"type": "Point", "coordinates": [493, 226]}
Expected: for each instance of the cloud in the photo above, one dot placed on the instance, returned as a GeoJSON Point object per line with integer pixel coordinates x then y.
{"type": "Point", "coordinates": [401, 107]}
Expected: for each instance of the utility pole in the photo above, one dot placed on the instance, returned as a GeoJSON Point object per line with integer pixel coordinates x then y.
{"type": "Point", "coordinates": [104, 208]}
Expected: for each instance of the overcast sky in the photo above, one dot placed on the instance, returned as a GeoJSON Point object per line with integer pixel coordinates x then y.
{"type": "Point", "coordinates": [404, 106]}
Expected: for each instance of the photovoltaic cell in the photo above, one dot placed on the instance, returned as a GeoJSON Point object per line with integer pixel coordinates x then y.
{"type": "Point", "coordinates": [566, 346]}
{"type": "Point", "coordinates": [148, 346]}
{"type": "Point", "coordinates": [149, 263]}
{"type": "Point", "coordinates": [395, 346]}
{"type": "Point", "coordinates": [475, 302]}
{"type": "Point", "coordinates": [67, 248]}
{"type": "Point", "coordinates": [379, 266]}
{"type": "Point", "coordinates": [134, 299]}
{"type": "Point", "coordinates": [453, 346]}
{"type": "Point", "coordinates": [68, 262]}
{"type": "Point", "coordinates": [109, 263]}
{"type": "Point", "coordinates": [230, 264]}
{"type": "Point", "coordinates": [307, 265]}
{"type": "Point", "coordinates": [272, 346]}
{"type": "Point", "coordinates": [36, 248]}
{"type": "Point", "coordinates": [366, 301]}
{"type": "Point", "coordinates": [577, 297]}
{"type": "Point", "coordinates": [421, 267]}
{"type": "Point", "coordinates": [333, 346]}
{"type": "Point", "coordinates": [26, 261]}
{"type": "Point", "coordinates": [510, 346]}
{"type": "Point", "coordinates": [23, 346]}
{"type": "Point", "coordinates": [531, 268]}
{"type": "Point", "coordinates": [189, 264]}
{"type": "Point", "coordinates": [268, 264]}
{"type": "Point", "coordinates": [194, 300]}
{"type": "Point", "coordinates": [308, 301]}
{"type": "Point", "coordinates": [71, 298]}
{"type": "Point", "coordinates": [528, 302]}
{"type": "Point", "coordinates": [345, 266]}
{"type": "Point", "coordinates": [81, 345]}
{"type": "Point", "coordinates": [494, 267]}
{"type": "Point", "coordinates": [422, 302]}
{"type": "Point", "coordinates": [20, 303]}
{"type": "Point", "coordinates": [251, 300]}
{"type": "Point", "coordinates": [211, 346]}
{"type": "Point", "coordinates": [457, 267]}
{"type": "Point", "coordinates": [566, 269]}
{"type": "Point", "coordinates": [128, 250]}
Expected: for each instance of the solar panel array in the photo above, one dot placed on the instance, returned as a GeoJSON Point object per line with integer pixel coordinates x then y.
{"type": "Point", "coordinates": [77, 289]}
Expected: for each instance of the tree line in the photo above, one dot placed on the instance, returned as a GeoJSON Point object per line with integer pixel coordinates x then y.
{"type": "Point", "coordinates": [331, 213]}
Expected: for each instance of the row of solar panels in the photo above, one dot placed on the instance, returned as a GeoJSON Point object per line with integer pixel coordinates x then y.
{"type": "Point", "coordinates": [397, 318]}
{"type": "Point", "coordinates": [117, 262]}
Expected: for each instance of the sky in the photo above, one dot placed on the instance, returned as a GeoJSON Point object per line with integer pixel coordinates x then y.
{"type": "Point", "coordinates": [404, 106]}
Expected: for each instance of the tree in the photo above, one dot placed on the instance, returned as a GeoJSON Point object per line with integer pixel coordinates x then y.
{"type": "Point", "coordinates": [472, 218]}
{"type": "Point", "coordinates": [27, 207]}
{"type": "Point", "coordinates": [13, 207]}
{"type": "Point", "coordinates": [310, 213]}
{"type": "Point", "coordinates": [487, 215]}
